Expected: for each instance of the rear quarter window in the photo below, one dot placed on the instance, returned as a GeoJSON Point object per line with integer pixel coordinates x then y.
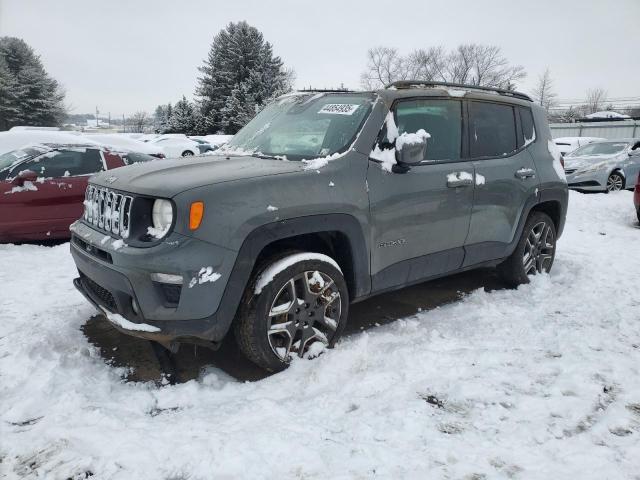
{"type": "Point", "coordinates": [528, 127]}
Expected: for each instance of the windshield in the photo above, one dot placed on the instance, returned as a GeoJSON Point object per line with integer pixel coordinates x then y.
{"type": "Point", "coordinates": [133, 157]}
{"type": "Point", "coordinates": [603, 148]}
{"type": "Point", "coordinates": [303, 126]}
{"type": "Point", "coordinates": [10, 158]}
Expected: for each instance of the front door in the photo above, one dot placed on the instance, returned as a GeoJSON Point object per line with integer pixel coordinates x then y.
{"type": "Point", "coordinates": [420, 217]}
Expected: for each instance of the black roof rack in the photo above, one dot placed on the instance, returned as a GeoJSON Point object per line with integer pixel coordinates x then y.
{"type": "Point", "coordinates": [429, 84]}
{"type": "Point", "coordinates": [326, 90]}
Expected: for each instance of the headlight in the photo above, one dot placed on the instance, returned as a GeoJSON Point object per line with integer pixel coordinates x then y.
{"type": "Point", "coordinates": [162, 217]}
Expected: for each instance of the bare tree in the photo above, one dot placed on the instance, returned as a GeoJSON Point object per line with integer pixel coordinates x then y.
{"type": "Point", "coordinates": [428, 65]}
{"type": "Point", "coordinates": [471, 64]}
{"type": "Point", "coordinates": [543, 92]}
{"type": "Point", "coordinates": [596, 98]}
{"type": "Point", "coordinates": [138, 121]}
{"type": "Point", "coordinates": [384, 65]}
{"type": "Point", "coordinates": [483, 65]}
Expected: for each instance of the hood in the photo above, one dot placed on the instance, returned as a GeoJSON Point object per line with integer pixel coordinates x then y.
{"type": "Point", "coordinates": [167, 178]}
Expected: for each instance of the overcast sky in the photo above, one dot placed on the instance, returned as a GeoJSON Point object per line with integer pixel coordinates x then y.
{"type": "Point", "coordinates": [125, 56]}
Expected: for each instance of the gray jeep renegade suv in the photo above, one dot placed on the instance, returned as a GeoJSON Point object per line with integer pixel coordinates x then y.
{"type": "Point", "coordinates": [323, 199]}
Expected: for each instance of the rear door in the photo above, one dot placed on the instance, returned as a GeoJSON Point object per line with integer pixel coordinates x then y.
{"type": "Point", "coordinates": [47, 207]}
{"type": "Point", "coordinates": [506, 180]}
{"type": "Point", "coordinates": [420, 217]}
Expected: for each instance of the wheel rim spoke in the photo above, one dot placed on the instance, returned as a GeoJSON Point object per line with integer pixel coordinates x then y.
{"type": "Point", "coordinates": [303, 312]}
{"type": "Point", "coordinates": [538, 249]}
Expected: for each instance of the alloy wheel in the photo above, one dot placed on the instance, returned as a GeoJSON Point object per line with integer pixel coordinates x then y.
{"type": "Point", "coordinates": [305, 310]}
{"type": "Point", "coordinates": [538, 249]}
{"type": "Point", "coordinates": [615, 182]}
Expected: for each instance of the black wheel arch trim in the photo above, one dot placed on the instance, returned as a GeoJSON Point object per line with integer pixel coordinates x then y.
{"type": "Point", "coordinates": [266, 234]}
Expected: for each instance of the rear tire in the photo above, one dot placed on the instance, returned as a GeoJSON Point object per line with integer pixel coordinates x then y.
{"type": "Point", "coordinates": [187, 153]}
{"type": "Point", "coordinates": [302, 304]}
{"type": "Point", "coordinates": [534, 253]}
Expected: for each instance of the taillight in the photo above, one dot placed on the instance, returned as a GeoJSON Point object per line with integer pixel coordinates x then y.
{"type": "Point", "coordinates": [562, 161]}
{"type": "Point", "coordinates": [638, 183]}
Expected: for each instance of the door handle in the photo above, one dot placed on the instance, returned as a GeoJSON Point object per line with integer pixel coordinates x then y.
{"type": "Point", "coordinates": [459, 179]}
{"type": "Point", "coordinates": [525, 173]}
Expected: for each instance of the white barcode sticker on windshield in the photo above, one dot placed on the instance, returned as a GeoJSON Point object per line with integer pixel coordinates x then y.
{"type": "Point", "coordinates": [339, 108]}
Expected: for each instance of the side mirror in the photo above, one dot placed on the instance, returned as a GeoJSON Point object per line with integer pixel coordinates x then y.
{"type": "Point", "coordinates": [24, 176]}
{"type": "Point", "coordinates": [411, 148]}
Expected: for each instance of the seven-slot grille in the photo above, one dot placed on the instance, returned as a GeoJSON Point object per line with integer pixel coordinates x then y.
{"type": "Point", "coordinates": [108, 210]}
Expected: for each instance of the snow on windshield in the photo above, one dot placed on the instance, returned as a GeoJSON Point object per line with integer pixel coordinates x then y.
{"type": "Point", "coordinates": [602, 148]}
{"type": "Point", "coordinates": [303, 126]}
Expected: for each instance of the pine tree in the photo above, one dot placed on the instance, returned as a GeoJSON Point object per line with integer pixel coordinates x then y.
{"type": "Point", "coordinates": [28, 95]}
{"type": "Point", "coordinates": [161, 118]}
{"type": "Point", "coordinates": [182, 119]}
{"type": "Point", "coordinates": [240, 75]}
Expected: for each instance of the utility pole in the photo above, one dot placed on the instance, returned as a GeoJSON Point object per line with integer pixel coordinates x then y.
{"type": "Point", "coordinates": [124, 124]}
{"type": "Point", "coordinates": [109, 119]}
{"type": "Point", "coordinates": [97, 113]}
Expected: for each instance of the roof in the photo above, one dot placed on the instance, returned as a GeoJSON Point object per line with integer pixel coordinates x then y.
{"type": "Point", "coordinates": [405, 84]}
{"type": "Point", "coordinates": [69, 145]}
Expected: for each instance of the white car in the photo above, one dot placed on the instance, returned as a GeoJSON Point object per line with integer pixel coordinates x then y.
{"type": "Point", "coordinates": [15, 139]}
{"type": "Point", "coordinates": [117, 141]}
{"type": "Point", "coordinates": [176, 146]}
{"type": "Point", "coordinates": [569, 144]}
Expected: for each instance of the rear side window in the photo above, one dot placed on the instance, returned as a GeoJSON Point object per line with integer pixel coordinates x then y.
{"type": "Point", "coordinates": [132, 157]}
{"type": "Point", "coordinates": [492, 129]}
{"type": "Point", "coordinates": [441, 119]}
{"type": "Point", "coordinates": [65, 163]}
{"type": "Point", "coordinates": [528, 127]}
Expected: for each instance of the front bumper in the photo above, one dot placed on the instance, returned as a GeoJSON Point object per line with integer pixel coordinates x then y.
{"type": "Point", "coordinates": [117, 279]}
{"type": "Point", "coordinates": [588, 181]}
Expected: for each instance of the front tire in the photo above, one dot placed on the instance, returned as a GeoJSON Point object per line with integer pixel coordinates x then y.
{"type": "Point", "coordinates": [296, 305]}
{"type": "Point", "coordinates": [615, 182]}
{"type": "Point", "coordinates": [534, 253]}
{"type": "Point", "coordinates": [187, 153]}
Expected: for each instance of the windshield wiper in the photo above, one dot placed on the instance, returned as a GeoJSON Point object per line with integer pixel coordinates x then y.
{"type": "Point", "coordinates": [266, 157]}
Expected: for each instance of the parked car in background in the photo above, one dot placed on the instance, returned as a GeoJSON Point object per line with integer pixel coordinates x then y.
{"type": "Point", "coordinates": [176, 146]}
{"type": "Point", "coordinates": [636, 197]}
{"type": "Point", "coordinates": [569, 144]}
{"type": "Point", "coordinates": [215, 140]}
{"type": "Point", "coordinates": [324, 198]}
{"type": "Point", "coordinates": [16, 139]}
{"type": "Point", "coordinates": [203, 146]}
{"type": "Point", "coordinates": [117, 141]}
{"type": "Point", "coordinates": [42, 186]}
{"type": "Point", "coordinates": [604, 166]}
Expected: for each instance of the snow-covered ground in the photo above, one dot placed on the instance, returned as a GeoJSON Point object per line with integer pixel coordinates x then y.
{"type": "Point", "coordinates": [542, 382]}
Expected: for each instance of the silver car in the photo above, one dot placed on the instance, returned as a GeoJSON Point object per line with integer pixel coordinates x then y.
{"type": "Point", "coordinates": [604, 166]}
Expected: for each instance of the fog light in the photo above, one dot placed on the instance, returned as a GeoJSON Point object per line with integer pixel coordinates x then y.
{"type": "Point", "coordinates": [167, 278]}
{"type": "Point", "coordinates": [134, 306]}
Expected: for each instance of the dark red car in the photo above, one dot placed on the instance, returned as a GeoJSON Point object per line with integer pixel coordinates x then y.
{"type": "Point", "coordinates": [636, 197]}
{"type": "Point", "coordinates": [42, 187]}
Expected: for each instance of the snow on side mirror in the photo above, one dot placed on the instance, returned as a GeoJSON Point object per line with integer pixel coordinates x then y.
{"type": "Point", "coordinates": [411, 148]}
{"type": "Point", "coordinates": [24, 176]}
